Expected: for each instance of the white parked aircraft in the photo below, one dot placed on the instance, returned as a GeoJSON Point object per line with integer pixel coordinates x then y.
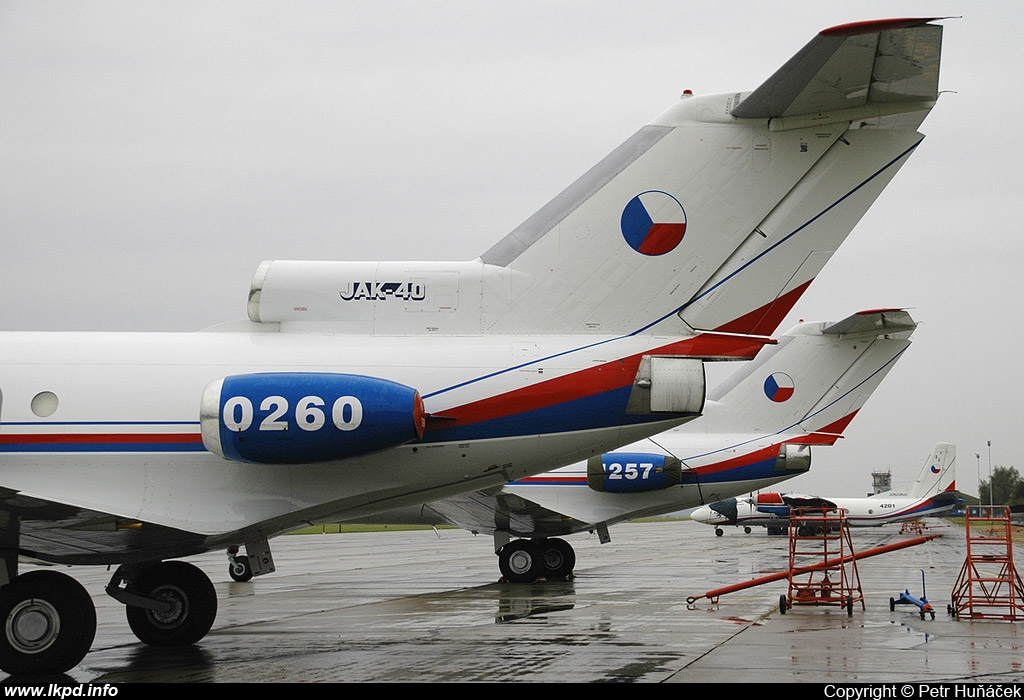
{"type": "Point", "coordinates": [359, 387]}
{"type": "Point", "coordinates": [757, 429]}
{"type": "Point", "coordinates": [933, 493]}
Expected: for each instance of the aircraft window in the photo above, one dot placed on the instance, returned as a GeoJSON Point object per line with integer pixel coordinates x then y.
{"type": "Point", "coordinates": [44, 404]}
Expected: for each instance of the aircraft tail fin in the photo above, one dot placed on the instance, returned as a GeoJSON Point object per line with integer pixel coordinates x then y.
{"type": "Point", "coordinates": [878, 81]}
{"type": "Point", "coordinates": [938, 473]}
{"type": "Point", "coordinates": [848, 106]}
{"type": "Point", "coordinates": [713, 217]}
{"type": "Point", "coordinates": [814, 380]}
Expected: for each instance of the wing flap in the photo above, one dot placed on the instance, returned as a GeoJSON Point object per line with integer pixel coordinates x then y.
{"type": "Point", "coordinates": [854, 71]}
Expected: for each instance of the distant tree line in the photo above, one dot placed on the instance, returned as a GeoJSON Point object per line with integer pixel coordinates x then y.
{"type": "Point", "coordinates": [1007, 487]}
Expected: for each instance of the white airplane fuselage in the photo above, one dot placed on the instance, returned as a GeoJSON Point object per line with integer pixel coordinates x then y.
{"type": "Point", "coordinates": [858, 512]}
{"type": "Point", "coordinates": [126, 420]}
{"type": "Point", "coordinates": [866, 512]}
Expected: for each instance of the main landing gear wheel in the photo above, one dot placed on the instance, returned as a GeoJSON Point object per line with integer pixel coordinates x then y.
{"type": "Point", "coordinates": [240, 569]}
{"type": "Point", "coordinates": [719, 532]}
{"type": "Point", "coordinates": [49, 622]}
{"type": "Point", "coordinates": [192, 600]}
{"type": "Point", "coordinates": [559, 558]}
{"type": "Point", "coordinates": [521, 561]}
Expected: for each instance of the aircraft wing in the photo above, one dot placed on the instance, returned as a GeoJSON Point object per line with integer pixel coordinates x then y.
{"type": "Point", "coordinates": [58, 532]}
{"type": "Point", "coordinates": [853, 72]}
{"type": "Point", "coordinates": [488, 511]}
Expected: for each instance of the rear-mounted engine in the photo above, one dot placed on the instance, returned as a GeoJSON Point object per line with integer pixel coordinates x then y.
{"type": "Point", "coordinates": [304, 417]}
{"type": "Point", "coordinates": [633, 472]}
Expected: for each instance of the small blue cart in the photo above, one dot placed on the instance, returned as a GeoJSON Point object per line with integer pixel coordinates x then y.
{"type": "Point", "coordinates": [922, 603]}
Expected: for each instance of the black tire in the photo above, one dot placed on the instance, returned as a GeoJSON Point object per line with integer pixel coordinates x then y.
{"type": "Point", "coordinates": [191, 595]}
{"type": "Point", "coordinates": [240, 569]}
{"type": "Point", "coordinates": [719, 532]}
{"type": "Point", "coordinates": [746, 529]}
{"type": "Point", "coordinates": [521, 561]}
{"type": "Point", "coordinates": [849, 606]}
{"type": "Point", "coordinates": [559, 558]}
{"type": "Point", "coordinates": [892, 604]}
{"type": "Point", "coordinates": [49, 622]}
{"type": "Point", "coordinates": [783, 604]}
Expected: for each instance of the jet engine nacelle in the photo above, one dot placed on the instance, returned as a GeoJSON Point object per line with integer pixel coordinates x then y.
{"type": "Point", "coordinates": [632, 472]}
{"type": "Point", "coordinates": [772, 504]}
{"type": "Point", "coordinates": [303, 417]}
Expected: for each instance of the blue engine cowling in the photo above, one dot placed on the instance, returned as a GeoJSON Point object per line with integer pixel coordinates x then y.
{"type": "Point", "coordinates": [307, 417]}
{"type": "Point", "coordinates": [633, 472]}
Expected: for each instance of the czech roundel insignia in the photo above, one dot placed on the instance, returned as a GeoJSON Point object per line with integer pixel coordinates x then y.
{"type": "Point", "coordinates": [653, 222]}
{"type": "Point", "coordinates": [778, 387]}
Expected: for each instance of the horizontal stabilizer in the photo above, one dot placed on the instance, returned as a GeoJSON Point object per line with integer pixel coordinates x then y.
{"type": "Point", "coordinates": [875, 322]}
{"type": "Point", "coordinates": [852, 72]}
{"type": "Point", "coordinates": [818, 437]}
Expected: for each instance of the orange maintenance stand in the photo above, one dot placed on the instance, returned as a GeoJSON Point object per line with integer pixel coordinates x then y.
{"type": "Point", "coordinates": [989, 586]}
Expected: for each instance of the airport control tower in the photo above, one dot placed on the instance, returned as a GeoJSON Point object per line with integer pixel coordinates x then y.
{"type": "Point", "coordinates": [880, 481]}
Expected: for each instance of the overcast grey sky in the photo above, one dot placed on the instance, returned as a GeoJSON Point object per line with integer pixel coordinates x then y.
{"type": "Point", "coordinates": [153, 153]}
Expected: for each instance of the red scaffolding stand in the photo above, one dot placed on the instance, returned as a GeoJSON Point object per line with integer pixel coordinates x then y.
{"type": "Point", "coordinates": [988, 586]}
{"type": "Point", "coordinates": [822, 563]}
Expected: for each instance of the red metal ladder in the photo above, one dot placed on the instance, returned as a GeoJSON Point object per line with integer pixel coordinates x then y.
{"type": "Point", "coordinates": [822, 563]}
{"type": "Point", "coordinates": [988, 586]}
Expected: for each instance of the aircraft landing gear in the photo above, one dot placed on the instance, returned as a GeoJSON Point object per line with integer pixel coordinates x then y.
{"type": "Point", "coordinates": [777, 529]}
{"type": "Point", "coordinates": [525, 561]}
{"type": "Point", "coordinates": [520, 561]}
{"type": "Point", "coordinates": [171, 603]}
{"type": "Point", "coordinates": [239, 568]}
{"type": "Point", "coordinates": [719, 532]}
{"type": "Point", "coordinates": [559, 558]}
{"type": "Point", "coordinates": [49, 622]}
{"type": "Point", "coordinates": [256, 561]}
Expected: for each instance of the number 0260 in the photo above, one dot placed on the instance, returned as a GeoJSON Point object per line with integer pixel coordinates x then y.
{"type": "Point", "coordinates": [238, 414]}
